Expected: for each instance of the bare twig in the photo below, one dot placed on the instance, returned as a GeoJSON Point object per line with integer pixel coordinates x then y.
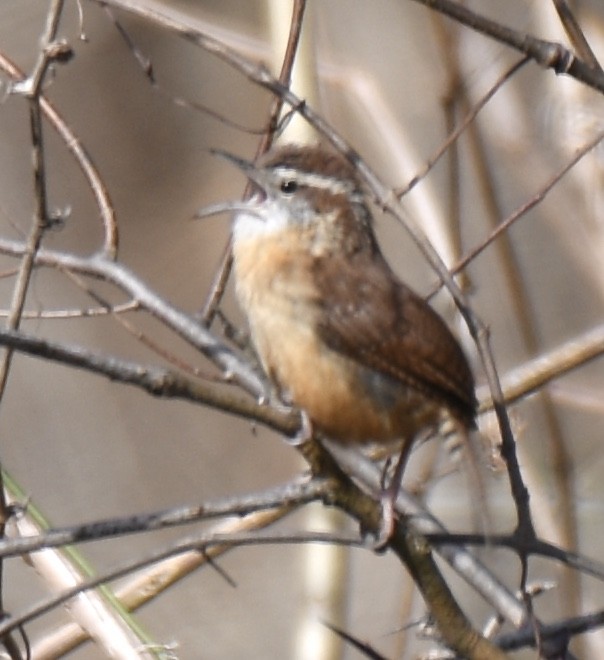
{"type": "Point", "coordinates": [30, 87]}
{"type": "Point", "coordinates": [546, 53]}
{"type": "Point", "coordinates": [461, 126]}
{"type": "Point", "coordinates": [218, 286]}
{"type": "Point", "coordinates": [505, 224]}
{"type": "Point", "coordinates": [559, 633]}
{"type": "Point", "coordinates": [576, 36]}
{"type": "Point", "coordinates": [537, 373]}
{"type": "Point", "coordinates": [148, 70]}
{"type": "Point", "coordinates": [517, 543]}
{"type": "Point", "coordinates": [143, 338]}
{"type": "Point", "coordinates": [522, 308]}
{"type": "Point", "coordinates": [234, 368]}
{"type": "Point", "coordinates": [152, 582]}
{"type": "Point", "coordinates": [51, 51]}
{"type": "Point", "coordinates": [469, 567]}
{"type": "Point", "coordinates": [295, 493]}
{"type": "Point", "coordinates": [80, 313]}
{"type": "Point", "coordinates": [200, 543]}
{"type": "Point", "coordinates": [82, 158]}
{"type": "Point", "coordinates": [155, 380]}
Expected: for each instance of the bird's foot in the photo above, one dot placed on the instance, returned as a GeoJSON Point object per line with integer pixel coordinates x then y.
{"type": "Point", "coordinates": [388, 496]}
{"type": "Point", "coordinates": [388, 521]}
{"type": "Point", "coordinates": [305, 432]}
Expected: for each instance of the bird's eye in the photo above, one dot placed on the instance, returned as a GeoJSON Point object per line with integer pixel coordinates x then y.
{"type": "Point", "coordinates": [289, 186]}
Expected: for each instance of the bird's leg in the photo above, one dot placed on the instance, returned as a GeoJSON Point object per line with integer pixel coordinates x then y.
{"type": "Point", "coordinates": [385, 471]}
{"type": "Point", "coordinates": [388, 495]}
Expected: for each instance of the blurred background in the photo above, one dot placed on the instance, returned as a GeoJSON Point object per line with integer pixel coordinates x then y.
{"type": "Point", "coordinates": [390, 77]}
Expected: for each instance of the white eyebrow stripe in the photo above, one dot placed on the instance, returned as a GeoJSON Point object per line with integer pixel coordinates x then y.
{"type": "Point", "coordinates": [314, 180]}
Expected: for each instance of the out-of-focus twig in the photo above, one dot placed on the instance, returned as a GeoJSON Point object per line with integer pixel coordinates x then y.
{"type": "Point", "coordinates": [83, 160]}
{"type": "Point", "coordinates": [546, 53]}
{"type": "Point", "coordinates": [461, 127]}
{"type": "Point", "coordinates": [505, 224]}
{"type": "Point", "coordinates": [537, 373]}
{"type": "Point", "coordinates": [576, 35]}
{"type": "Point", "coordinates": [218, 286]}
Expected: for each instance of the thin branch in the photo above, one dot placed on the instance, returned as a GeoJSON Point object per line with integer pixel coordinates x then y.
{"type": "Point", "coordinates": [157, 381]}
{"type": "Point", "coordinates": [409, 546]}
{"type": "Point", "coordinates": [199, 543]}
{"type": "Point", "coordinates": [295, 493]}
{"type": "Point", "coordinates": [518, 544]}
{"type": "Point", "coordinates": [51, 51]}
{"type": "Point", "coordinates": [548, 54]}
{"type": "Point", "coordinates": [505, 224]}
{"type": "Point", "coordinates": [560, 632]}
{"type": "Point", "coordinates": [140, 336]}
{"type": "Point", "coordinates": [576, 36]}
{"type": "Point", "coordinates": [366, 650]}
{"type": "Point", "coordinates": [234, 368]}
{"type": "Point", "coordinates": [463, 562]}
{"type": "Point", "coordinates": [81, 313]}
{"type": "Point", "coordinates": [30, 87]}
{"type": "Point", "coordinates": [146, 585]}
{"type": "Point", "coordinates": [148, 70]}
{"type": "Point", "coordinates": [83, 160]}
{"type": "Point", "coordinates": [461, 126]}
{"type": "Point", "coordinates": [218, 286]}
{"type": "Point", "coordinates": [537, 373]}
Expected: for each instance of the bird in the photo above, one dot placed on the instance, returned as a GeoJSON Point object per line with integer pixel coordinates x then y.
{"type": "Point", "coordinates": [337, 332]}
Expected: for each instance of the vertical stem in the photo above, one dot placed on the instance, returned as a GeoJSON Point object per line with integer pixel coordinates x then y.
{"type": "Point", "coordinates": [31, 88]}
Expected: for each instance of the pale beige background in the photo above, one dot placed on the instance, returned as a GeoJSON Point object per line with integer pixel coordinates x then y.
{"type": "Point", "coordinates": [85, 448]}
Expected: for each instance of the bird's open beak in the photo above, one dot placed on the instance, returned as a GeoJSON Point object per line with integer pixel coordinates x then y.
{"type": "Point", "coordinates": [254, 174]}
{"type": "Point", "coordinates": [250, 205]}
{"type": "Point", "coordinates": [226, 207]}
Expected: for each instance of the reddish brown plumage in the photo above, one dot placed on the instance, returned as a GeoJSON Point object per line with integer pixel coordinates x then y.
{"type": "Point", "coordinates": [334, 327]}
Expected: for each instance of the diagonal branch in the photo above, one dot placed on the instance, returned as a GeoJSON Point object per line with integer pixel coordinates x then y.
{"type": "Point", "coordinates": [546, 53]}
{"type": "Point", "coordinates": [98, 267]}
{"type": "Point", "coordinates": [157, 381]}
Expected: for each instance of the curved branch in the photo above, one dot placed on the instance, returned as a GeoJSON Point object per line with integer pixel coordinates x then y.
{"type": "Point", "coordinates": [97, 266]}
{"type": "Point", "coordinates": [82, 158]}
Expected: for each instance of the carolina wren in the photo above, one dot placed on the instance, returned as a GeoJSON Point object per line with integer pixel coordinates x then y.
{"type": "Point", "coordinates": [335, 329]}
